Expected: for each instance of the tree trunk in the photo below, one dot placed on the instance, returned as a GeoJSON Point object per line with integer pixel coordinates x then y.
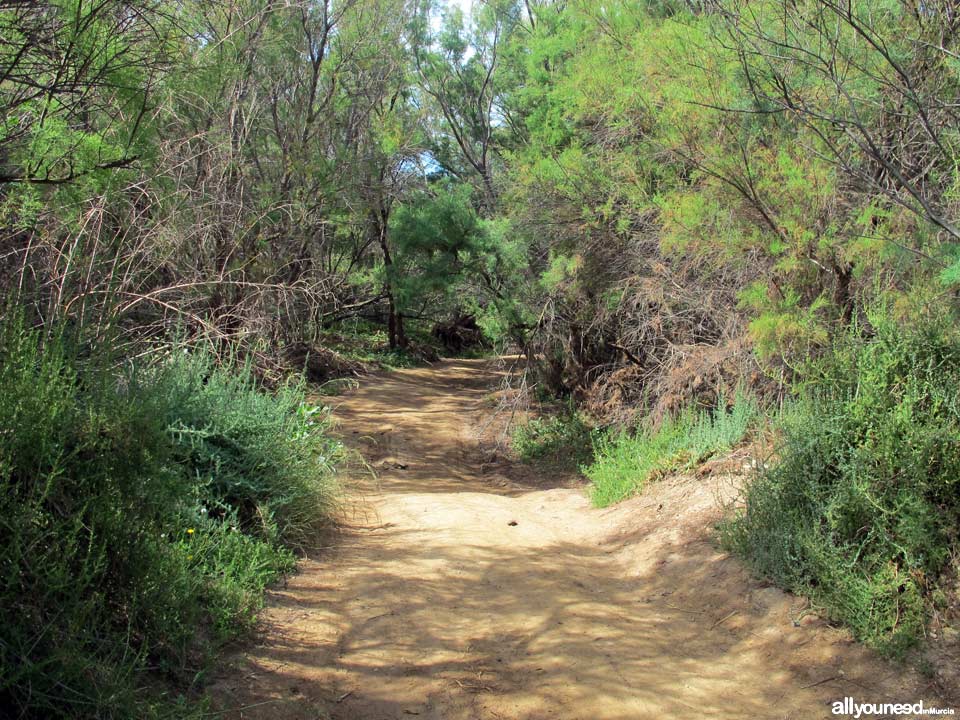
{"type": "Point", "coordinates": [395, 333]}
{"type": "Point", "coordinates": [398, 338]}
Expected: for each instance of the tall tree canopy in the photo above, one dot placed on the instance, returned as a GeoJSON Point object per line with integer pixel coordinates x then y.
{"type": "Point", "coordinates": [645, 177]}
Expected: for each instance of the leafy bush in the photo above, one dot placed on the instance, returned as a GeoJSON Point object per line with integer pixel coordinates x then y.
{"type": "Point", "coordinates": [83, 483]}
{"type": "Point", "coordinates": [625, 461]}
{"type": "Point", "coordinates": [263, 458]}
{"type": "Point", "coordinates": [243, 566]}
{"type": "Point", "coordinates": [861, 509]}
{"type": "Point", "coordinates": [134, 513]}
{"type": "Point", "coordinates": [563, 439]}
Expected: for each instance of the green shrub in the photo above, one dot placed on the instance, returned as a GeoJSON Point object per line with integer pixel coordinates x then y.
{"type": "Point", "coordinates": [564, 439]}
{"type": "Point", "coordinates": [84, 481]}
{"type": "Point", "coordinates": [135, 513]}
{"type": "Point", "coordinates": [862, 506]}
{"type": "Point", "coordinates": [242, 565]}
{"type": "Point", "coordinates": [625, 461]}
{"type": "Point", "coordinates": [265, 458]}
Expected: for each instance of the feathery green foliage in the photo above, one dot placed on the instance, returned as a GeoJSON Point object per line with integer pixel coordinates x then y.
{"type": "Point", "coordinates": [261, 458]}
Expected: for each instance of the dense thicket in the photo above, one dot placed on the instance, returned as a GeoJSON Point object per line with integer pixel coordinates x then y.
{"type": "Point", "coordinates": [642, 193]}
{"type": "Point", "coordinates": [700, 175]}
{"type": "Point", "coordinates": [762, 193]}
{"type": "Point", "coordinates": [230, 168]}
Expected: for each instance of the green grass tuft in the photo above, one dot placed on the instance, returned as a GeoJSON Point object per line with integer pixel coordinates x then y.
{"type": "Point", "coordinates": [625, 461]}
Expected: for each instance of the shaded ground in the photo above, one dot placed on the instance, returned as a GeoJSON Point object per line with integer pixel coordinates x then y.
{"type": "Point", "coordinates": [464, 590]}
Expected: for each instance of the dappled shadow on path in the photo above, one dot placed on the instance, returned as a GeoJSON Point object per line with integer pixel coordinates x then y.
{"type": "Point", "coordinates": [418, 429]}
{"type": "Point", "coordinates": [398, 625]}
{"type": "Point", "coordinates": [447, 596]}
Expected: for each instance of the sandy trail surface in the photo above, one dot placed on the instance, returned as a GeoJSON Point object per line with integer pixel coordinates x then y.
{"type": "Point", "coordinates": [461, 588]}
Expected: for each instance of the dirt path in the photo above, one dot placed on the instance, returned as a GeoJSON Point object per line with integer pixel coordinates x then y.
{"type": "Point", "coordinates": [459, 591]}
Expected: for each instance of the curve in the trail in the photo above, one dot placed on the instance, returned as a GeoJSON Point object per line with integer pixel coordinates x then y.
{"type": "Point", "coordinates": [460, 589]}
